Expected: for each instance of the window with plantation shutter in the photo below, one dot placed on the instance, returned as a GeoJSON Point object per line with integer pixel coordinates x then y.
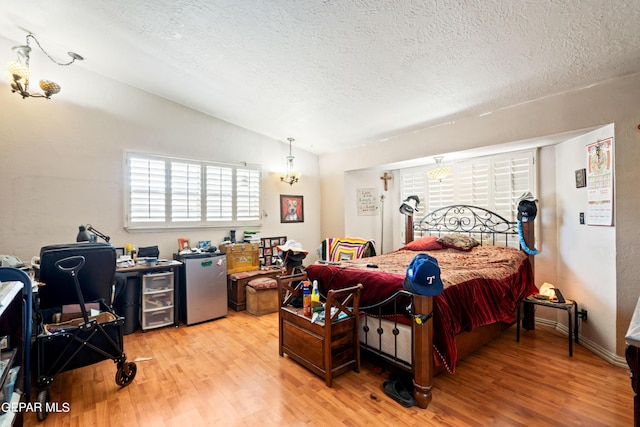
{"type": "Point", "coordinates": [494, 183]}
{"type": "Point", "coordinates": [247, 194]}
{"type": "Point", "coordinates": [413, 184]}
{"type": "Point", "coordinates": [146, 190]}
{"type": "Point", "coordinates": [512, 176]}
{"type": "Point", "coordinates": [168, 192]}
{"type": "Point", "coordinates": [186, 191]}
{"type": "Point", "coordinates": [219, 193]}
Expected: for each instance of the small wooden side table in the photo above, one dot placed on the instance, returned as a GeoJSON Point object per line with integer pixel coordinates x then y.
{"type": "Point", "coordinates": [570, 306]}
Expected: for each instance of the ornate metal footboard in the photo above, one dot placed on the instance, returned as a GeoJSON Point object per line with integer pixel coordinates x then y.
{"type": "Point", "coordinates": [385, 329]}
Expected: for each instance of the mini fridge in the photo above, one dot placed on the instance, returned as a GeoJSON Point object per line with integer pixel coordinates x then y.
{"type": "Point", "coordinates": [202, 287]}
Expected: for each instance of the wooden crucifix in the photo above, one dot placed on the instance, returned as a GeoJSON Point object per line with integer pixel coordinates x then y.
{"type": "Point", "coordinates": [386, 177]}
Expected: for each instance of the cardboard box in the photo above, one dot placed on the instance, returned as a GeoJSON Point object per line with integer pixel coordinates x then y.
{"type": "Point", "coordinates": [241, 257]}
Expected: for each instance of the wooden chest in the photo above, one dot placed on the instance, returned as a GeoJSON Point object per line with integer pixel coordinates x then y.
{"type": "Point", "coordinates": [308, 344]}
{"type": "Point", "coordinates": [236, 285]}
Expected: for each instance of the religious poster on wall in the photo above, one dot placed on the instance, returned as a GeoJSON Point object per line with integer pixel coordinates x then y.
{"type": "Point", "coordinates": [600, 183]}
{"type": "Point", "coordinates": [367, 201]}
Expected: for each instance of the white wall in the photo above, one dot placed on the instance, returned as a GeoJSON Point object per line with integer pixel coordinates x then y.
{"type": "Point", "coordinates": [370, 227]}
{"type": "Point", "coordinates": [587, 254]}
{"type": "Point", "coordinates": [613, 101]}
{"type": "Point", "coordinates": [62, 163]}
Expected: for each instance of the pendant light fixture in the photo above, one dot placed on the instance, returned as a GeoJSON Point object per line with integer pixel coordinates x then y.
{"type": "Point", "coordinates": [291, 176]}
{"type": "Point", "coordinates": [440, 172]}
{"type": "Point", "coordinates": [19, 72]}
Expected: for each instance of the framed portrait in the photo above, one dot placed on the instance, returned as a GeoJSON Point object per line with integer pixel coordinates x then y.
{"type": "Point", "coordinates": [291, 208]}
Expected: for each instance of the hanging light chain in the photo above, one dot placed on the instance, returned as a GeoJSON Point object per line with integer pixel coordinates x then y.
{"type": "Point", "coordinates": [73, 55]}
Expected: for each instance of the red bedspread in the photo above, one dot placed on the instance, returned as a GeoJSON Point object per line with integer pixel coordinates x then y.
{"type": "Point", "coordinates": [482, 287]}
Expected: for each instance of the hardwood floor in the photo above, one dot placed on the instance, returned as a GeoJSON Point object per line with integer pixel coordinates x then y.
{"type": "Point", "coordinates": [228, 372]}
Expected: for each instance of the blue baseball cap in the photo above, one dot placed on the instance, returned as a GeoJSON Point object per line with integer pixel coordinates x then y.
{"type": "Point", "coordinates": [423, 276]}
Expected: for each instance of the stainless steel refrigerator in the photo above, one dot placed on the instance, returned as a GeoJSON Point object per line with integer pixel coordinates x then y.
{"type": "Point", "coordinates": [202, 287]}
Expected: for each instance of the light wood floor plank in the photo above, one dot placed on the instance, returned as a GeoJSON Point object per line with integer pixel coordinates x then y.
{"type": "Point", "coordinates": [228, 372]}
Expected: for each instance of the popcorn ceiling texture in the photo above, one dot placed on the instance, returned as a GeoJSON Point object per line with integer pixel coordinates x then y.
{"type": "Point", "coordinates": [336, 73]}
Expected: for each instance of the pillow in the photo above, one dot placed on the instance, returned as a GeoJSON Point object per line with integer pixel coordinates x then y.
{"type": "Point", "coordinates": [429, 243]}
{"type": "Point", "coordinates": [458, 241]}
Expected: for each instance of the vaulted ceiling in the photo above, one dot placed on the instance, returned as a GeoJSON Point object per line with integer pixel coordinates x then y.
{"type": "Point", "coordinates": [334, 74]}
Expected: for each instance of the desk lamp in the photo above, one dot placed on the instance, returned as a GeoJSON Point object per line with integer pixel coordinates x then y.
{"type": "Point", "coordinates": [85, 236]}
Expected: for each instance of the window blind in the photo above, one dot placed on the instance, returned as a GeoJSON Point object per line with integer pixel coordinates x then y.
{"type": "Point", "coordinates": [493, 183]}
{"type": "Point", "coordinates": [169, 192]}
{"type": "Point", "coordinates": [186, 192]}
{"type": "Point", "coordinates": [147, 190]}
{"type": "Point", "coordinates": [247, 194]}
{"type": "Point", "coordinates": [219, 193]}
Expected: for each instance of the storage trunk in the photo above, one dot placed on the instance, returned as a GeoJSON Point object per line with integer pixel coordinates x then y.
{"type": "Point", "coordinates": [241, 257]}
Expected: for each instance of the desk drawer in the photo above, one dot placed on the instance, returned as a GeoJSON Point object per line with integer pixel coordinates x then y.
{"type": "Point", "coordinates": [157, 282]}
{"type": "Point", "coordinates": [155, 318]}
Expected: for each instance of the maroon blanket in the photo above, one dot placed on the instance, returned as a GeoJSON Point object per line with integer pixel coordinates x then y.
{"type": "Point", "coordinates": [482, 287]}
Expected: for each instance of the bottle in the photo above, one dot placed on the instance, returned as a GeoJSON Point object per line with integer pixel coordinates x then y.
{"type": "Point", "coordinates": [315, 295]}
{"type": "Point", "coordinates": [306, 298]}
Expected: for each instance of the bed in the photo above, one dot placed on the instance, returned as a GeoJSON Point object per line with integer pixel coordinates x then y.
{"type": "Point", "coordinates": [485, 277]}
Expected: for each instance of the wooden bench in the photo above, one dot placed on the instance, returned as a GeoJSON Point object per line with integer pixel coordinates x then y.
{"type": "Point", "coordinates": [328, 348]}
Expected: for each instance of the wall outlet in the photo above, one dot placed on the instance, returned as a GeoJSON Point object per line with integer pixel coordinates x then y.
{"type": "Point", "coordinates": [581, 217]}
{"type": "Point", "coordinates": [582, 314]}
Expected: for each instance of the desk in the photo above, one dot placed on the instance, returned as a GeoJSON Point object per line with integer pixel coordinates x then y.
{"type": "Point", "coordinates": [127, 301]}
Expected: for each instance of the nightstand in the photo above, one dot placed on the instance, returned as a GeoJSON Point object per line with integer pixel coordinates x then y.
{"type": "Point", "coordinates": [570, 306]}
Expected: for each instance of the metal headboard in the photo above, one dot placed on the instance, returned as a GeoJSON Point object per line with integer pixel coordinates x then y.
{"type": "Point", "coordinates": [475, 221]}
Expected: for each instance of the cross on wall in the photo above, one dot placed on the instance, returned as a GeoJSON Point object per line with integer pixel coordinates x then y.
{"type": "Point", "coordinates": [386, 177]}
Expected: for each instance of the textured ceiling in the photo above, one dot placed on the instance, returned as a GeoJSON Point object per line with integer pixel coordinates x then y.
{"type": "Point", "coordinates": [340, 73]}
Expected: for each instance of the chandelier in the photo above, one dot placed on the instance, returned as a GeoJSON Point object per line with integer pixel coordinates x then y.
{"type": "Point", "coordinates": [19, 73]}
{"type": "Point", "coordinates": [291, 176]}
{"type": "Point", "coordinates": [440, 172]}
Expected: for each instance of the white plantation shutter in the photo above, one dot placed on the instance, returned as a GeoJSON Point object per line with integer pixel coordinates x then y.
{"type": "Point", "coordinates": [147, 190]}
{"type": "Point", "coordinates": [513, 175]}
{"type": "Point", "coordinates": [186, 191]}
{"type": "Point", "coordinates": [165, 192]}
{"type": "Point", "coordinates": [494, 183]}
{"type": "Point", "coordinates": [247, 194]}
{"type": "Point", "coordinates": [414, 184]}
{"type": "Point", "coordinates": [219, 193]}
{"type": "Point", "coordinates": [441, 193]}
{"type": "Point", "coordinates": [473, 183]}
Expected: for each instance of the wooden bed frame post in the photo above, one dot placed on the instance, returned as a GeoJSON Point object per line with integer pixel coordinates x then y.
{"type": "Point", "coordinates": [408, 229]}
{"type": "Point", "coordinates": [422, 360]}
{"type": "Point", "coordinates": [529, 238]}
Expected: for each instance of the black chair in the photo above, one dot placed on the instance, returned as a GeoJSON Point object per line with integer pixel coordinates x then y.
{"type": "Point", "coordinates": [96, 277]}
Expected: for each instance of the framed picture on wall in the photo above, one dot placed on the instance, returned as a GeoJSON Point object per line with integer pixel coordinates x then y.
{"type": "Point", "coordinates": [581, 178]}
{"type": "Point", "coordinates": [291, 208]}
{"type": "Point", "coordinates": [268, 250]}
